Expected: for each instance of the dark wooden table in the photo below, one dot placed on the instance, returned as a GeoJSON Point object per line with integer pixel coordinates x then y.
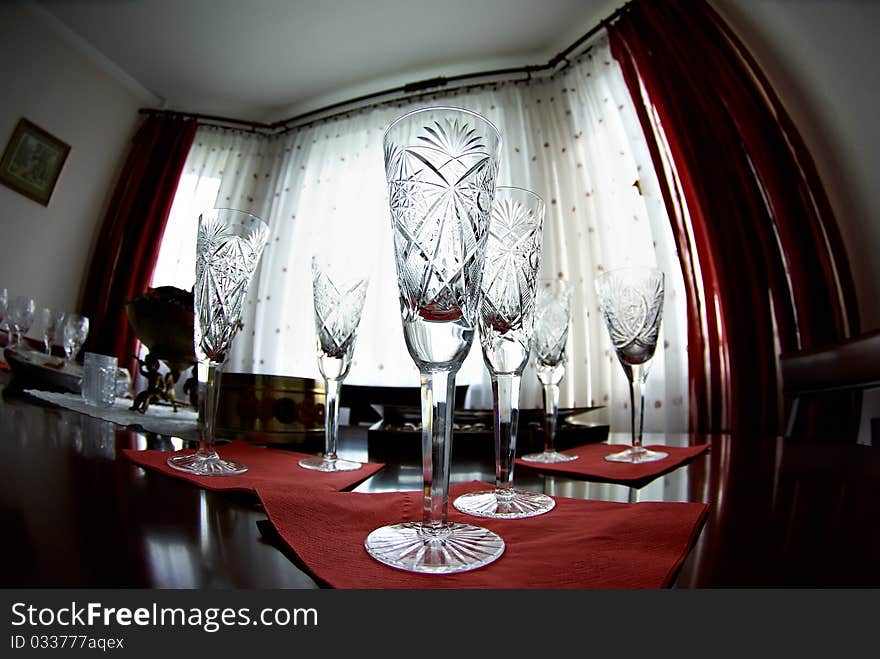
{"type": "Point", "coordinates": [77, 514]}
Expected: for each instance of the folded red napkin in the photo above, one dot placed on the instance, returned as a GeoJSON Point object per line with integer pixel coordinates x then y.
{"type": "Point", "coordinates": [591, 463]}
{"type": "Point", "coordinates": [265, 466]}
{"type": "Point", "coordinates": [579, 544]}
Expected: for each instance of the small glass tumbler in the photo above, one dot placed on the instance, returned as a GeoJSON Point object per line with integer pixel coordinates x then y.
{"type": "Point", "coordinates": [99, 380]}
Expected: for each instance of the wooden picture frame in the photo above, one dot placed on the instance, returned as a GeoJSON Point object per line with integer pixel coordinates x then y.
{"type": "Point", "coordinates": [32, 161]}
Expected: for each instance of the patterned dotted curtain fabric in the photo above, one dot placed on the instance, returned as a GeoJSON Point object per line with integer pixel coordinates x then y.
{"type": "Point", "coordinates": [574, 139]}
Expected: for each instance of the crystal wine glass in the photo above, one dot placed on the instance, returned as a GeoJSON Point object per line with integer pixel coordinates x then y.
{"type": "Point", "coordinates": [74, 332]}
{"type": "Point", "coordinates": [505, 320]}
{"type": "Point", "coordinates": [441, 165]}
{"type": "Point", "coordinates": [552, 319]}
{"type": "Point", "coordinates": [339, 301]}
{"type": "Point", "coordinates": [229, 245]}
{"type": "Point", "coordinates": [21, 316]}
{"type": "Point", "coordinates": [631, 300]}
{"type": "Point", "coordinates": [50, 321]}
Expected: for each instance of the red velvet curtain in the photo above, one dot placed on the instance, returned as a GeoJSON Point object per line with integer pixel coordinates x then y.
{"type": "Point", "coordinates": [128, 243]}
{"type": "Point", "coordinates": [759, 246]}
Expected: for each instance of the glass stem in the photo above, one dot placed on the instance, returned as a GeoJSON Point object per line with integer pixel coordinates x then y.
{"type": "Point", "coordinates": [551, 412]}
{"type": "Point", "coordinates": [505, 389]}
{"type": "Point", "coordinates": [636, 375]}
{"type": "Point", "coordinates": [209, 404]}
{"type": "Point", "coordinates": [331, 418]}
{"type": "Point", "coordinates": [437, 390]}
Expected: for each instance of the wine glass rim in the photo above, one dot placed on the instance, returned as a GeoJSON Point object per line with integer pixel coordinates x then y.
{"type": "Point", "coordinates": [441, 108]}
{"type": "Point", "coordinates": [516, 188]}
{"type": "Point", "coordinates": [218, 209]}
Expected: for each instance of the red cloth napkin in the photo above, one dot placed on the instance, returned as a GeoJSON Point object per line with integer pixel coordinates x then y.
{"type": "Point", "coordinates": [591, 463]}
{"type": "Point", "coordinates": [579, 544]}
{"type": "Point", "coordinates": [265, 466]}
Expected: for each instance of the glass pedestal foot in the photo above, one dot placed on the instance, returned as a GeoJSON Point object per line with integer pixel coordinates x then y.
{"type": "Point", "coordinates": [448, 549]}
{"type": "Point", "coordinates": [513, 504]}
{"type": "Point", "coordinates": [549, 457]}
{"type": "Point", "coordinates": [633, 454]}
{"type": "Point", "coordinates": [206, 463]}
{"type": "Point", "coordinates": [322, 464]}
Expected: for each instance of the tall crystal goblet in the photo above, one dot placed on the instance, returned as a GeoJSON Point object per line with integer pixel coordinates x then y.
{"type": "Point", "coordinates": [631, 300]}
{"type": "Point", "coordinates": [505, 321]}
{"type": "Point", "coordinates": [339, 301]}
{"type": "Point", "coordinates": [441, 165]}
{"type": "Point", "coordinates": [552, 320]}
{"type": "Point", "coordinates": [229, 245]}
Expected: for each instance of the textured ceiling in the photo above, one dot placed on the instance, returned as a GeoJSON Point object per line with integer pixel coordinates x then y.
{"type": "Point", "coordinates": [266, 59]}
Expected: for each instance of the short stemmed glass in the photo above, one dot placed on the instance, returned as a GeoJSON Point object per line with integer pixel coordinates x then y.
{"type": "Point", "coordinates": [505, 321]}
{"type": "Point", "coordinates": [339, 301]}
{"type": "Point", "coordinates": [74, 332]}
{"type": "Point", "coordinates": [441, 165]}
{"type": "Point", "coordinates": [631, 300]}
{"type": "Point", "coordinates": [50, 321]}
{"type": "Point", "coordinates": [552, 319]}
{"type": "Point", "coordinates": [229, 245]}
{"type": "Point", "coordinates": [21, 317]}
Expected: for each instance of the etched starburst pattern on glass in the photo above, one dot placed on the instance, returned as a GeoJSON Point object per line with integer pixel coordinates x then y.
{"type": "Point", "coordinates": [229, 244]}
{"type": "Point", "coordinates": [550, 334]}
{"type": "Point", "coordinates": [440, 165]}
{"type": "Point", "coordinates": [508, 299]}
{"type": "Point", "coordinates": [632, 308]}
{"type": "Point", "coordinates": [552, 317]}
{"type": "Point", "coordinates": [338, 310]}
{"type": "Point", "coordinates": [509, 278]}
{"type": "Point", "coordinates": [226, 258]}
{"type": "Point", "coordinates": [631, 300]}
{"type": "Point", "coordinates": [440, 191]}
{"type": "Point", "coordinates": [339, 298]}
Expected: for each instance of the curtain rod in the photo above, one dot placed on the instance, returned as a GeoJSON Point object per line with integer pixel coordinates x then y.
{"type": "Point", "coordinates": [426, 86]}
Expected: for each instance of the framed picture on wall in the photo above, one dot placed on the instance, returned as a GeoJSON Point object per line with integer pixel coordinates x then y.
{"type": "Point", "coordinates": [32, 161]}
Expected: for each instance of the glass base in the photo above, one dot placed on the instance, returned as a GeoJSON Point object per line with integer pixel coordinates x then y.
{"type": "Point", "coordinates": [549, 457]}
{"type": "Point", "coordinates": [639, 454]}
{"type": "Point", "coordinates": [206, 463]}
{"type": "Point", "coordinates": [323, 464]}
{"type": "Point", "coordinates": [452, 548]}
{"type": "Point", "coordinates": [497, 504]}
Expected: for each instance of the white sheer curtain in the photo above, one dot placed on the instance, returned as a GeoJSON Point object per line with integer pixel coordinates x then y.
{"type": "Point", "coordinates": [574, 139]}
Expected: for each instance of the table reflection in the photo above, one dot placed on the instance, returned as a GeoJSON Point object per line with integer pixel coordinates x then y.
{"type": "Point", "coordinates": [77, 513]}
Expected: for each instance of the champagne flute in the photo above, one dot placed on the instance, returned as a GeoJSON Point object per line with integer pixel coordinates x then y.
{"type": "Point", "coordinates": [632, 304]}
{"type": "Point", "coordinates": [440, 165]}
{"type": "Point", "coordinates": [552, 319]}
{"type": "Point", "coordinates": [505, 321]}
{"type": "Point", "coordinates": [229, 245]}
{"type": "Point", "coordinates": [339, 301]}
{"type": "Point", "coordinates": [74, 332]}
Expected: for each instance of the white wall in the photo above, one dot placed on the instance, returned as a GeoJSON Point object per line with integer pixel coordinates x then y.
{"type": "Point", "coordinates": [820, 57]}
{"type": "Point", "coordinates": [44, 251]}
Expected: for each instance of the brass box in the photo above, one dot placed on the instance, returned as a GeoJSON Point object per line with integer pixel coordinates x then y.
{"type": "Point", "coordinates": [271, 409]}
